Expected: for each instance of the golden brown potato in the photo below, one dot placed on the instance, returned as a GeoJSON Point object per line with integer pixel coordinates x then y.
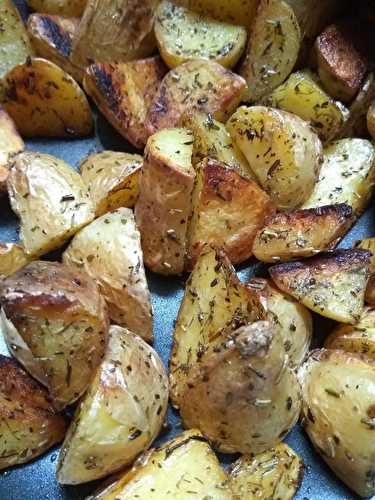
{"type": "Point", "coordinates": [55, 324]}
{"type": "Point", "coordinates": [338, 414]}
{"type": "Point", "coordinates": [121, 414]}
{"type": "Point", "coordinates": [331, 285]}
{"type": "Point", "coordinates": [184, 467]}
{"type": "Point", "coordinates": [111, 178]}
{"type": "Point", "coordinates": [51, 200]}
{"type": "Point", "coordinates": [109, 250]}
{"type": "Point", "coordinates": [194, 86]}
{"type": "Point", "coordinates": [369, 244]}
{"type": "Point", "coordinates": [44, 101]}
{"type": "Point", "coordinates": [228, 210]}
{"type": "Point", "coordinates": [51, 37]}
{"type": "Point", "coordinates": [371, 120]}
{"type": "Point", "coordinates": [68, 8]}
{"type": "Point", "coordinates": [164, 204]}
{"type": "Point", "coordinates": [28, 423]}
{"type": "Point", "coordinates": [347, 175]}
{"type": "Point", "coordinates": [275, 474]}
{"type": "Point", "coordinates": [302, 233]}
{"type": "Point", "coordinates": [115, 31]}
{"type": "Point", "coordinates": [10, 144]}
{"type": "Point", "coordinates": [283, 151]}
{"type": "Point", "coordinates": [273, 48]}
{"type": "Point", "coordinates": [12, 258]}
{"type": "Point", "coordinates": [292, 320]}
{"type": "Point", "coordinates": [182, 35]}
{"type": "Point", "coordinates": [240, 12]}
{"type": "Point", "coordinates": [124, 91]}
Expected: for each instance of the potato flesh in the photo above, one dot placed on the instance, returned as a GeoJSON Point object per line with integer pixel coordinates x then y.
{"type": "Point", "coordinates": [12, 258]}
{"type": "Point", "coordinates": [10, 144]}
{"type": "Point", "coordinates": [240, 12]}
{"type": "Point", "coordinates": [68, 8]}
{"type": "Point", "coordinates": [109, 250]}
{"type": "Point", "coordinates": [121, 414]}
{"type": "Point", "coordinates": [369, 244]}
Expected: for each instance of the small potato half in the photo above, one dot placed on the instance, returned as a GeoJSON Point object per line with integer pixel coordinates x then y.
{"type": "Point", "coordinates": [369, 244]}
{"type": "Point", "coordinates": [12, 258]}
{"type": "Point", "coordinates": [10, 144]}
{"type": "Point", "coordinates": [121, 414]}
{"type": "Point", "coordinates": [68, 8]}
{"type": "Point", "coordinates": [55, 324]}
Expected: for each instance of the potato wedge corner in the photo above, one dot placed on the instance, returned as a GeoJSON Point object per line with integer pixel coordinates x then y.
{"type": "Point", "coordinates": [12, 258]}
{"type": "Point", "coordinates": [10, 144]}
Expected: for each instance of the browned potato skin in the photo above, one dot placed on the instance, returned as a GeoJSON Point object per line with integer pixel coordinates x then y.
{"type": "Point", "coordinates": [59, 7]}
{"type": "Point", "coordinates": [219, 93]}
{"type": "Point", "coordinates": [228, 209]}
{"type": "Point", "coordinates": [369, 244]}
{"type": "Point", "coordinates": [56, 325]}
{"type": "Point", "coordinates": [12, 258]}
{"type": "Point", "coordinates": [11, 143]}
{"type": "Point", "coordinates": [124, 91]}
{"type": "Point", "coordinates": [303, 233]}
{"type": "Point", "coordinates": [29, 424]}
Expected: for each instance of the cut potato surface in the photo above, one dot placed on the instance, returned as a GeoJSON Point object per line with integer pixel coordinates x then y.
{"type": "Point", "coordinates": [10, 144]}
{"type": "Point", "coordinates": [68, 8]}
{"type": "Point", "coordinates": [369, 244]}
{"type": "Point", "coordinates": [12, 258]}
{"type": "Point", "coordinates": [240, 12]}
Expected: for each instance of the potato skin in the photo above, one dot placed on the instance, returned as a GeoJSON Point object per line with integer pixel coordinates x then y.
{"type": "Point", "coordinates": [109, 250]}
{"type": "Point", "coordinates": [55, 324]}
{"type": "Point", "coordinates": [12, 258]}
{"type": "Point", "coordinates": [29, 424]}
{"type": "Point", "coordinates": [241, 12]}
{"type": "Point", "coordinates": [121, 414]}
{"type": "Point", "coordinates": [338, 414]}
{"type": "Point", "coordinates": [369, 244]}
{"type": "Point", "coordinates": [371, 120]}
{"type": "Point", "coordinates": [11, 143]}
{"type": "Point", "coordinates": [67, 8]}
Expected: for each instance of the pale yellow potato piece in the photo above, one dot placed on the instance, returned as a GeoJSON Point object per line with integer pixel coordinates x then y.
{"type": "Point", "coordinates": [10, 144]}
{"type": "Point", "coordinates": [240, 12]}
{"type": "Point", "coordinates": [50, 199]}
{"type": "Point", "coordinates": [182, 35]}
{"type": "Point", "coordinates": [109, 250]}
{"type": "Point", "coordinates": [273, 48]}
{"type": "Point", "coordinates": [284, 153]}
{"type": "Point", "coordinates": [111, 178]}
{"type": "Point", "coordinates": [44, 101]}
{"type": "Point", "coordinates": [68, 8]}
{"type": "Point", "coordinates": [12, 258]}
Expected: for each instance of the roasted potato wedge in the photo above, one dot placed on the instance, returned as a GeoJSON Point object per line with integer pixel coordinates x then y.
{"type": "Point", "coordinates": [302, 95]}
{"type": "Point", "coordinates": [241, 12]}
{"type": "Point", "coordinates": [371, 120]}
{"type": "Point", "coordinates": [55, 324]}
{"type": "Point", "coordinates": [283, 151]}
{"type": "Point", "coordinates": [44, 101]}
{"type": "Point", "coordinates": [121, 414]}
{"type": "Point", "coordinates": [182, 35]}
{"type": "Point", "coordinates": [67, 8]}
{"type": "Point", "coordinates": [51, 200]}
{"type": "Point", "coordinates": [369, 244]}
{"type": "Point", "coordinates": [347, 176]}
{"type": "Point", "coordinates": [109, 250]}
{"type": "Point", "coordinates": [273, 48]}
{"type": "Point", "coordinates": [314, 16]}
{"type": "Point", "coordinates": [293, 321]}
{"type": "Point", "coordinates": [341, 66]}
{"type": "Point", "coordinates": [164, 204]}
{"type": "Point", "coordinates": [302, 233]}
{"type": "Point", "coordinates": [124, 91]}
{"type": "Point", "coordinates": [331, 285]}
{"type": "Point", "coordinates": [29, 424]}
{"type": "Point", "coordinates": [228, 210]}
{"type": "Point", "coordinates": [12, 258]}
{"type": "Point", "coordinates": [215, 300]}
{"type": "Point", "coordinates": [197, 85]}
{"type": "Point", "coordinates": [111, 31]}
{"type": "Point", "coordinates": [275, 474]}
{"type": "Point", "coordinates": [181, 466]}
{"type": "Point", "coordinates": [338, 414]}
{"type": "Point", "coordinates": [111, 178]}
{"type": "Point", "coordinates": [10, 144]}
{"type": "Point", "coordinates": [51, 37]}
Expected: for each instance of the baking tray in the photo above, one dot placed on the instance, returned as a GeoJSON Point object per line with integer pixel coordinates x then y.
{"type": "Point", "coordinates": [36, 480]}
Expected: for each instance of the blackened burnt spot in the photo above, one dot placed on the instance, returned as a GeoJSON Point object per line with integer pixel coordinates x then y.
{"type": "Point", "coordinates": [103, 80]}
{"type": "Point", "coordinates": [55, 34]}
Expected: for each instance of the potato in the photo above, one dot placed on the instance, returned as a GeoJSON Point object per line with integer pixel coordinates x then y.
{"type": "Point", "coordinates": [111, 178]}
{"type": "Point", "coordinates": [314, 16]}
{"type": "Point", "coordinates": [273, 48]}
{"type": "Point", "coordinates": [109, 251]}
{"type": "Point", "coordinates": [195, 86]}
{"type": "Point", "coordinates": [123, 92]}
{"type": "Point", "coordinates": [60, 7]}
{"type": "Point", "coordinates": [164, 204]}
{"type": "Point", "coordinates": [228, 210]}
{"type": "Point", "coordinates": [10, 144]}
{"type": "Point", "coordinates": [371, 120]}
{"type": "Point", "coordinates": [55, 324]}
{"type": "Point", "coordinates": [184, 467]}
{"type": "Point", "coordinates": [331, 285]}
{"type": "Point", "coordinates": [214, 300]}
{"type": "Point", "coordinates": [51, 37]}
{"type": "Point", "coordinates": [302, 233]}
{"type": "Point", "coordinates": [12, 258]}
{"type": "Point", "coordinates": [369, 244]}
{"type": "Point", "coordinates": [241, 394]}
{"type": "Point", "coordinates": [44, 101]}
{"type": "Point", "coordinates": [115, 31]}
{"type": "Point", "coordinates": [338, 413]}
{"type": "Point", "coordinates": [182, 35]}
{"type": "Point", "coordinates": [283, 151]}
{"type": "Point", "coordinates": [302, 95]}
{"type": "Point", "coordinates": [341, 66]}
{"type": "Point", "coordinates": [275, 474]}
{"type": "Point", "coordinates": [51, 200]}
{"type": "Point", "coordinates": [293, 321]}
{"type": "Point", "coordinates": [121, 414]}
{"type": "Point", "coordinates": [347, 175]}
{"type": "Point", "coordinates": [236, 12]}
{"type": "Point", "coordinates": [28, 425]}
